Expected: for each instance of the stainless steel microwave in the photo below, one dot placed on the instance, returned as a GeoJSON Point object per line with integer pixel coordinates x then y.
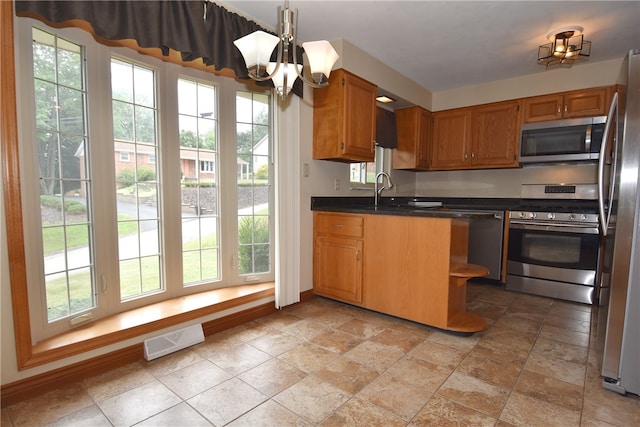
{"type": "Point", "coordinates": [567, 140]}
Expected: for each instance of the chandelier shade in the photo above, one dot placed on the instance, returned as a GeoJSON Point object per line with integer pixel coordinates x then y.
{"type": "Point", "coordinates": [257, 50]}
{"type": "Point", "coordinates": [567, 46]}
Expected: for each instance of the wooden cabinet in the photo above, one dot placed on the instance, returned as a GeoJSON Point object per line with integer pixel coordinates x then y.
{"type": "Point", "coordinates": [344, 119]}
{"type": "Point", "coordinates": [414, 137]}
{"type": "Point", "coordinates": [451, 139]}
{"type": "Point", "coordinates": [579, 103]}
{"type": "Point", "coordinates": [485, 136]}
{"type": "Point", "coordinates": [413, 267]}
{"type": "Point", "coordinates": [337, 256]}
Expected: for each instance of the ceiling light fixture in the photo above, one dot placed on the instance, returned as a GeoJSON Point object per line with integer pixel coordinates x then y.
{"type": "Point", "coordinates": [385, 99]}
{"type": "Point", "coordinates": [257, 48]}
{"type": "Point", "coordinates": [567, 46]}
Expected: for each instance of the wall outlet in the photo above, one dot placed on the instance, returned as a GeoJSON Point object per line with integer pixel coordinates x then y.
{"type": "Point", "coordinates": [336, 185]}
{"type": "Point", "coordinates": [305, 170]}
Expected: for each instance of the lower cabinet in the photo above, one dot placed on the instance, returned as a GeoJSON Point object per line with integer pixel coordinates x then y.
{"type": "Point", "coordinates": [399, 265]}
{"type": "Point", "coordinates": [337, 256]}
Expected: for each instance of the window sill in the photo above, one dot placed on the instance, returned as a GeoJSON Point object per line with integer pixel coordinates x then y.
{"type": "Point", "coordinates": [143, 320]}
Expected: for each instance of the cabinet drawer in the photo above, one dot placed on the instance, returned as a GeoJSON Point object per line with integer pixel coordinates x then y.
{"type": "Point", "coordinates": [339, 224]}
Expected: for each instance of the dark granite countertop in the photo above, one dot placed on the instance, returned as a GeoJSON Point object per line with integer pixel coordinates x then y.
{"type": "Point", "coordinates": [405, 206]}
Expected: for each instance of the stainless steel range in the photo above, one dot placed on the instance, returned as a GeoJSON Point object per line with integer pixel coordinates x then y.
{"type": "Point", "coordinates": [554, 242]}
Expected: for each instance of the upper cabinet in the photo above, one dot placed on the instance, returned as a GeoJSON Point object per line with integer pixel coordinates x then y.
{"type": "Point", "coordinates": [484, 136]}
{"type": "Point", "coordinates": [414, 136]}
{"type": "Point", "coordinates": [578, 103]}
{"type": "Point", "coordinates": [344, 115]}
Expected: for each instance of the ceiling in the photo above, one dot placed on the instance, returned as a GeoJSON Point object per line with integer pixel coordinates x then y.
{"type": "Point", "coordinates": [443, 45]}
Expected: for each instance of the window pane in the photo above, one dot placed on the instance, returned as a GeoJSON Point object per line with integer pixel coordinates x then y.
{"type": "Point", "coordinates": [137, 184]}
{"type": "Point", "coordinates": [253, 182]}
{"type": "Point", "coordinates": [63, 169]}
{"type": "Point", "coordinates": [198, 163]}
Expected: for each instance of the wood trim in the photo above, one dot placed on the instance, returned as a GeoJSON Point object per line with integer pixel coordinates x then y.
{"type": "Point", "coordinates": [11, 187]}
{"type": "Point", "coordinates": [40, 384]}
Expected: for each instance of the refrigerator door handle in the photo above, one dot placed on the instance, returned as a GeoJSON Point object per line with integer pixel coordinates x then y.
{"type": "Point", "coordinates": [604, 216]}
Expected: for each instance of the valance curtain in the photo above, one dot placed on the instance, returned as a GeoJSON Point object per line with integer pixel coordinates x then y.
{"type": "Point", "coordinates": [195, 28]}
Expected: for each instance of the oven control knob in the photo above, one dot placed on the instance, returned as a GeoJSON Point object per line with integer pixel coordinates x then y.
{"type": "Point", "coordinates": [572, 217]}
{"type": "Point", "coordinates": [532, 215]}
{"type": "Point", "coordinates": [551, 215]}
{"type": "Point", "coordinates": [584, 217]}
{"type": "Point", "coordinates": [521, 214]}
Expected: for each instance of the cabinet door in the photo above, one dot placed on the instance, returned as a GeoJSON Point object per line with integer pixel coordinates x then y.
{"type": "Point", "coordinates": [414, 136]}
{"type": "Point", "coordinates": [495, 134]}
{"type": "Point", "coordinates": [585, 103]}
{"type": "Point", "coordinates": [451, 139]}
{"type": "Point", "coordinates": [359, 118]}
{"type": "Point", "coordinates": [543, 108]}
{"type": "Point", "coordinates": [337, 268]}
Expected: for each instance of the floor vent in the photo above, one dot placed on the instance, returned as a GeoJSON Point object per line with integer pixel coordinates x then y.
{"type": "Point", "coordinates": [172, 341]}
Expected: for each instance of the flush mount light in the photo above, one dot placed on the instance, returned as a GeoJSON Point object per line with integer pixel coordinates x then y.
{"type": "Point", "coordinates": [257, 47]}
{"type": "Point", "coordinates": [385, 99]}
{"type": "Point", "coordinates": [567, 46]}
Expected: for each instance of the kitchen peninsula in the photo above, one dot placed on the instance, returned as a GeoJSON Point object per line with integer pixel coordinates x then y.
{"type": "Point", "coordinates": [395, 259]}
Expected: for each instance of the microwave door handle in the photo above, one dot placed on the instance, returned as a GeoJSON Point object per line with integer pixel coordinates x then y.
{"type": "Point", "coordinates": [587, 140]}
{"type": "Point", "coordinates": [604, 216]}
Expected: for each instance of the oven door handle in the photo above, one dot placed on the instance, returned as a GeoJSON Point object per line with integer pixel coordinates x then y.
{"type": "Point", "coordinates": [567, 228]}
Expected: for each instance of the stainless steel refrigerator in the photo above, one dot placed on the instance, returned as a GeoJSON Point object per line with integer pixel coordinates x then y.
{"type": "Point", "coordinates": [618, 327]}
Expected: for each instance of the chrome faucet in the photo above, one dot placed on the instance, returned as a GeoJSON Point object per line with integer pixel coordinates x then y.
{"type": "Point", "coordinates": [377, 189]}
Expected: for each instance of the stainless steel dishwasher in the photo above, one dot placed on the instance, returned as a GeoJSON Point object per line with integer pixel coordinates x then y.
{"type": "Point", "coordinates": [486, 238]}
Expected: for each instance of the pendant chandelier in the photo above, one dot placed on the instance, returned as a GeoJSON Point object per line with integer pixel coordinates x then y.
{"type": "Point", "coordinates": [567, 46]}
{"type": "Point", "coordinates": [257, 48]}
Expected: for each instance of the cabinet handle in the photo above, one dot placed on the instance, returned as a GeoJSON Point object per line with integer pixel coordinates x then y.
{"type": "Point", "coordinates": [566, 108]}
{"type": "Point", "coordinates": [473, 155]}
{"type": "Point", "coordinates": [466, 156]}
{"type": "Point", "coordinates": [357, 254]}
{"type": "Point", "coordinates": [337, 225]}
{"type": "Point", "coordinates": [559, 109]}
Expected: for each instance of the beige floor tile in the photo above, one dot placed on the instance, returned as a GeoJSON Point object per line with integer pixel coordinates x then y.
{"type": "Point", "coordinates": [520, 322]}
{"type": "Point", "coordinates": [522, 410]}
{"type": "Point", "coordinates": [358, 413]}
{"type": "Point", "coordinates": [419, 372]}
{"type": "Point", "coordinates": [458, 342]}
{"type": "Point", "coordinates": [194, 379]}
{"type": "Point", "coordinates": [336, 341]}
{"type": "Point", "coordinates": [551, 390]}
{"type": "Point", "coordinates": [308, 357]}
{"type": "Point", "coordinates": [215, 343]}
{"type": "Point", "coordinates": [377, 356]}
{"type": "Point", "coordinates": [50, 406]}
{"type": "Point", "coordinates": [276, 343]}
{"type": "Point", "coordinates": [239, 358]}
{"type": "Point", "coordinates": [90, 417]}
{"type": "Point", "coordinates": [250, 331]}
{"type": "Point", "coordinates": [443, 412]}
{"type": "Point", "coordinates": [507, 339]}
{"type": "Point", "coordinates": [312, 398]}
{"type": "Point", "coordinates": [610, 407]}
{"type": "Point", "coordinates": [438, 354]}
{"type": "Point", "coordinates": [5, 418]}
{"type": "Point", "coordinates": [570, 372]}
{"type": "Point", "coordinates": [571, 311]}
{"type": "Point", "coordinates": [347, 375]}
{"type": "Point", "coordinates": [269, 413]}
{"type": "Point", "coordinates": [139, 403]}
{"type": "Point", "coordinates": [117, 381]}
{"type": "Point", "coordinates": [279, 320]}
{"type": "Point", "coordinates": [271, 377]}
{"type": "Point", "coordinates": [400, 398]}
{"type": "Point", "coordinates": [498, 371]}
{"type": "Point", "coordinates": [181, 415]}
{"type": "Point", "coordinates": [306, 329]}
{"type": "Point", "coordinates": [227, 401]}
{"type": "Point", "coordinates": [558, 333]}
{"type": "Point", "coordinates": [173, 362]}
{"type": "Point", "coordinates": [474, 393]}
{"type": "Point", "coordinates": [571, 324]}
{"type": "Point", "coordinates": [490, 312]}
{"type": "Point", "coordinates": [361, 328]}
{"type": "Point", "coordinates": [403, 340]}
{"type": "Point", "coordinates": [333, 318]}
{"type": "Point", "coordinates": [561, 350]}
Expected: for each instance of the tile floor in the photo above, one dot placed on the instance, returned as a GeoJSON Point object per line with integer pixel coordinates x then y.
{"type": "Point", "coordinates": [329, 364]}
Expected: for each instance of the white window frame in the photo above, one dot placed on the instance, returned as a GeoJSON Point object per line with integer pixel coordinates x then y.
{"type": "Point", "coordinates": [99, 122]}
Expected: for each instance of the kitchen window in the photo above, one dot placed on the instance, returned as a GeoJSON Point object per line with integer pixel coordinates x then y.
{"type": "Point", "coordinates": [362, 175]}
{"type": "Point", "coordinates": [138, 177]}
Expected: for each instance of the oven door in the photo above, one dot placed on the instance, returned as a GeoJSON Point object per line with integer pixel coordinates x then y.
{"type": "Point", "coordinates": [566, 253]}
